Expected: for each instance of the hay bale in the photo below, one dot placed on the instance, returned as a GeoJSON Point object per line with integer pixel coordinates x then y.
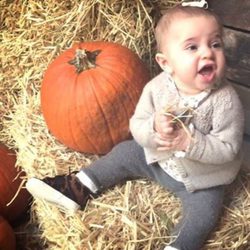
{"type": "Point", "coordinates": [32, 34]}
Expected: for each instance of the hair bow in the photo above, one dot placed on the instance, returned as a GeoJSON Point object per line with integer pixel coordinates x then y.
{"type": "Point", "coordinates": [200, 4]}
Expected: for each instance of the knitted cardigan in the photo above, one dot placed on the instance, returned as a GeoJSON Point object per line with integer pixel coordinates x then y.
{"type": "Point", "coordinates": [214, 156]}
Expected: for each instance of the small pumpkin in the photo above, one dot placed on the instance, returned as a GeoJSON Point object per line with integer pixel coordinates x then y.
{"type": "Point", "coordinates": [7, 235]}
{"type": "Point", "coordinates": [10, 181]}
{"type": "Point", "coordinates": [89, 93]}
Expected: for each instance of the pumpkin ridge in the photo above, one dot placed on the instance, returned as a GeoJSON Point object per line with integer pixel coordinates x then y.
{"type": "Point", "coordinates": [121, 76]}
{"type": "Point", "coordinates": [118, 91]}
{"type": "Point", "coordinates": [71, 126]}
{"type": "Point", "coordinates": [65, 120]}
{"type": "Point", "coordinates": [95, 93]}
{"type": "Point", "coordinates": [71, 112]}
{"type": "Point", "coordinates": [123, 104]}
{"type": "Point", "coordinates": [55, 84]}
{"type": "Point", "coordinates": [79, 114]}
{"type": "Point", "coordinates": [119, 87]}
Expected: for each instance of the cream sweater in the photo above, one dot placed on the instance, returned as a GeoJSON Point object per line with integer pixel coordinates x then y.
{"type": "Point", "coordinates": [214, 156]}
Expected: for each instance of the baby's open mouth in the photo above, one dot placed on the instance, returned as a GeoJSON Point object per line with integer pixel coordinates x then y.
{"type": "Point", "coordinates": [206, 70]}
{"type": "Point", "coordinates": [207, 73]}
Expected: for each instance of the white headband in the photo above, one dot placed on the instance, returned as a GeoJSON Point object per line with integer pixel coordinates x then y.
{"type": "Point", "coordinates": [200, 4]}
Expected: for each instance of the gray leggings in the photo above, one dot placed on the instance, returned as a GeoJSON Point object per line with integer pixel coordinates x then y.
{"type": "Point", "coordinates": [201, 209]}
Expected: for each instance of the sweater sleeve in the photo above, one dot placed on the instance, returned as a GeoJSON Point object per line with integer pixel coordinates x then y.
{"type": "Point", "coordinates": [141, 123]}
{"type": "Point", "coordinates": [224, 141]}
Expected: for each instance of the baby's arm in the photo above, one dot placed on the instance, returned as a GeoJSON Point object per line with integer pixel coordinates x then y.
{"type": "Point", "coordinates": [145, 123]}
{"type": "Point", "coordinates": [224, 141]}
{"type": "Point", "coordinates": [141, 123]}
{"type": "Point", "coordinates": [151, 128]}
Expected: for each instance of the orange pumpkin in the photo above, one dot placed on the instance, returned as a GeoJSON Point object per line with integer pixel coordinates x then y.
{"type": "Point", "coordinates": [89, 93]}
{"type": "Point", "coordinates": [7, 236]}
{"type": "Point", "coordinates": [10, 180]}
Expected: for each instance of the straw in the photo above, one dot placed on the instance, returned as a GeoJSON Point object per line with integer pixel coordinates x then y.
{"type": "Point", "coordinates": [136, 215]}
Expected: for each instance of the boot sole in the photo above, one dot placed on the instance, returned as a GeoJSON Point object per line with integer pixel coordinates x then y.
{"type": "Point", "coordinates": [43, 191]}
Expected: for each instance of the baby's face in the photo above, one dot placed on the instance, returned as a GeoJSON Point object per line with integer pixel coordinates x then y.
{"type": "Point", "coordinates": [194, 53]}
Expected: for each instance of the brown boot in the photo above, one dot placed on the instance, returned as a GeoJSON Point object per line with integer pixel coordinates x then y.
{"type": "Point", "coordinates": [65, 191]}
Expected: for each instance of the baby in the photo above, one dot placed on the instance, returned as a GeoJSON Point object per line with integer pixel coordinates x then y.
{"type": "Point", "coordinates": [187, 130]}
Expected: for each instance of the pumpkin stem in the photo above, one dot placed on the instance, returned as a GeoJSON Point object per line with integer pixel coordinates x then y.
{"type": "Point", "coordinates": [84, 60]}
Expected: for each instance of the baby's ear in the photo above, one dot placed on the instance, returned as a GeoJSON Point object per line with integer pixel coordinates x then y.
{"type": "Point", "coordinates": [161, 59]}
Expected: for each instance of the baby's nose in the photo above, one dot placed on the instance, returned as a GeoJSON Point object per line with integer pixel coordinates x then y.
{"type": "Point", "coordinates": [207, 53]}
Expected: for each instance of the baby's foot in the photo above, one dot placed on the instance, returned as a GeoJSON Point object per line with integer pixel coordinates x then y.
{"type": "Point", "coordinates": [65, 191]}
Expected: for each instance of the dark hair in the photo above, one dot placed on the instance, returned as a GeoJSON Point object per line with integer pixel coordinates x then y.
{"type": "Point", "coordinates": [168, 16]}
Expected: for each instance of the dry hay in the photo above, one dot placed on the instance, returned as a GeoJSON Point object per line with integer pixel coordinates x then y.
{"type": "Point", "coordinates": [137, 215]}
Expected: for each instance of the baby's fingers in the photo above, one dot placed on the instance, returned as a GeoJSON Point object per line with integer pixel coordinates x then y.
{"type": "Point", "coordinates": [163, 144]}
{"type": "Point", "coordinates": [168, 130]}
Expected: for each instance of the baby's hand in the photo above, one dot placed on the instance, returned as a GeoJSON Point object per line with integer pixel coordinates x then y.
{"type": "Point", "coordinates": [179, 142]}
{"type": "Point", "coordinates": [168, 136]}
{"type": "Point", "coordinates": [163, 125]}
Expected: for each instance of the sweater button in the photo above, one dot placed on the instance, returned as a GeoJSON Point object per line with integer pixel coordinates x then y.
{"type": "Point", "coordinates": [184, 175]}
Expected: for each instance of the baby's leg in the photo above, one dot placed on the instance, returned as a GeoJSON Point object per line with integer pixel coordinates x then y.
{"type": "Point", "coordinates": [201, 211]}
{"type": "Point", "coordinates": [125, 162]}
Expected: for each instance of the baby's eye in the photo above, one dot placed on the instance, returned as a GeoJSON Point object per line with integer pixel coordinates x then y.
{"type": "Point", "coordinates": [217, 45]}
{"type": "Point", "coordinates": [192, 47]}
